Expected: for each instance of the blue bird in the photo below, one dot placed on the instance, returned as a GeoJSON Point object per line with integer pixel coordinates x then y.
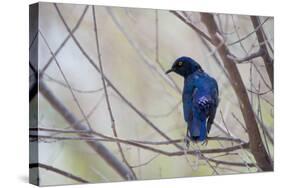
{"type": "Point", "coordinates": [200, 98]}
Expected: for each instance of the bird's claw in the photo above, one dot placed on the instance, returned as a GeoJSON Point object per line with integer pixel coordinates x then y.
{"type": "Point", "coordinates": [205, 142]}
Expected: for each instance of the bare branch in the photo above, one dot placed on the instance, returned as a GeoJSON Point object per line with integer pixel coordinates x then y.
{"type": "Point", "coordinates": [113, 126]}
{"type": "Point", "coordinates": [252, 56]}
{"type": "Point", "coordinates": [144, 146]}
{"type": "Point", "coordinates": [146, 163]}
{"type": "Point", "coordinates": [268, 61]}
{"type": "Point", "coordinates": [218, 162]}
{"type": "Point", "coordinates": [204, 35]}
{"type": "Point", "coordinates": [73, 121]}
{"type": "Point", "coordinates": [259, 113]}
{"type": "Point", "coordinates": [249, 34]}
{"type": "Point", "coordinates": [260, 93]}
{"type": "Point", "coordinates": [142, 55]}
{"type": "Point", "coordinates": [86, 91]}
{"type": "Point", "coordinates": [157, 60]}
{"type": "Point", "coordinates": [66, 81]}
{"type": "Point", "coordinates": [64, 41]}
{"type": "Point", "coordinates": [239, 122]}
{"type": "Point", "coordinates": [58, 171]}
{"type": "Point", "coordinates": [136, 110]}
{"type": "Point", "coordinates": [88, 132]}
{"type": "Point", "coordinates": [256, 144]}
{"type": "Point", "coordinates": [34, 88]}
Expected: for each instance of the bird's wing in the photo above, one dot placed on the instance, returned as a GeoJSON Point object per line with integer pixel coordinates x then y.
{"type": "Point", "coordinates": [211, 119]}
{"type": "Point", "coordinates": [214, 106]}
{"type": "Point", "coordinates": [188, 101]}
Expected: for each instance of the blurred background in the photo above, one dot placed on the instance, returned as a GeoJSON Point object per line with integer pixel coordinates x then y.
{"type": "Point", "coordinates": [136, 47]}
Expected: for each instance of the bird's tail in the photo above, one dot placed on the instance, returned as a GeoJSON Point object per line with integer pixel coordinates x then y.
{"type": "Point", "coordinates": [198, 131]}
{"type": "Point", "coordinates": [201, 110]}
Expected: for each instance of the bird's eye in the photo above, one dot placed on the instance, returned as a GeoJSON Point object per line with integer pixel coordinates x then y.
{"type": "Point", "coordinates": [179, 63]}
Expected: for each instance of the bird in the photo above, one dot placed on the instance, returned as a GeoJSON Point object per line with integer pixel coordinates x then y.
{"type": "Point", "coordinates": [200, 98]}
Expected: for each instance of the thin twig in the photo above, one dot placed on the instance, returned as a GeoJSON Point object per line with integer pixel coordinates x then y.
{"type": "Point", "coordinates": [64, 41]}
{"type": "Point", "coordinates": [252, 56]}
{"type": "Point", "coordinates": [204, 35]}
{"type": "Point", "coordinates": [239, 122]}
{"type": "Point", "coordinates": [141, 145]}
{"type": "Point", "coordinates": [157, 59]}
{"type": "Point", "coordinates": [86, 91]}
{"type": "Point", "coordinates": [88, 132]}
{"type": "Point", "coordinates": [259, 112]}
{"type": "Point", "coordinates": [147, 61]}
{"type": "Point", "coordinates": [146, 163]}
{"type": "Point", "coordinates": [58, 171]}
{"type": "Point", "coordinates": [113, 126]}
{"type": "Point", "coordinates": [66, 81]}
{"type": "Point", "coordinates": [268, 61]}
{"type": "Point", "coordinates": [34, 88]}
{"type": "Point", "coordinates": [136, 110]}
{"type": "Point", "coordinates": [70, 118]}
{"type": "Point", "coordinates": [249, 34]}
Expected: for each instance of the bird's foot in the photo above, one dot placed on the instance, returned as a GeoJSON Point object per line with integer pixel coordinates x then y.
{"type": "Point", "coordinates": [205, 142]}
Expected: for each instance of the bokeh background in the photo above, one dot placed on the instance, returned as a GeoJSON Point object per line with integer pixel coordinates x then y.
{"type": "Point", "coordinates": [136, 46]}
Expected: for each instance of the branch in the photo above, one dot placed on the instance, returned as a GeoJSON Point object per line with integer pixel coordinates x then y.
{"type": "Point", "coordinates": [58, 171]}
{"type": "Point", "coordinates": [136, 110]}
{"type": "Point", "coordinates": [268, 61]}
{"type": "Point", "coordinates": [62, 131]}
{"type": "Point", "coordinates": [66, 81]}
{"type": "Point", "coordinates": [64, 41]}
{"type": "Point", "coordinates": [252, 56]}
{"type": "Point", "coordinates": [78, 90]}
{"type": "Point", "coordinates": [259, 113]}
{"type": "Point", "coordinates": [117, 165]}
{"type": "Point", "coordinates": [141, 54]}
{"type": "Point", "coordinates": [218, 162]}
{"type": "Point", "coordinates": [143, 145]}
{"type": "Point", "coordinates": [113, 126]}
{"type": "Point", "coordinates": [34, 88]}
{"type": "Point", "coordinates": [205, 36]}
{"type": "Point", "coordinates": [157, 60]}
{"type": "Point", "coordinates": [256, 144]}
{"type": "Point", "coordinates": [249, 34]}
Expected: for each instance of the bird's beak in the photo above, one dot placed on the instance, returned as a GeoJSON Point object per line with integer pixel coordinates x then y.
{"type": "Point", "coordinates": [170, 70]}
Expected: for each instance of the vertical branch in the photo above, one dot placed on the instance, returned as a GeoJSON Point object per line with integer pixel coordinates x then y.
{"type": "Point", "coordinates": [156, 37]}
{"type": "Point", "coordinates": [157, 52]}
{"type": "Point", "coordinates": [259, 113]}
{"type": "Point", "coordinates": [34, 88]}
{"type": "Point", "coordinates": [256, 144]}
{"type": "Point", "coordinates": [106, 95]}
{"type": "Point", "coordinates": [268, 61]}
{"type": "Point", "coordinates": [142, 55]}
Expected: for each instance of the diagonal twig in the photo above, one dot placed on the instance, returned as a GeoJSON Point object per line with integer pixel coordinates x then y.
{"type": "Point", "coordinates": [64, 41]}
{"type": "Point", "coordinates": [58, 171]}
{"type": "Point", "coordinates": [130, 104]}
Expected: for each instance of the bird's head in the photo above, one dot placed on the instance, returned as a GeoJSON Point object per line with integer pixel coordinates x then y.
{"type": "Point", "coordinates": [184, 66]}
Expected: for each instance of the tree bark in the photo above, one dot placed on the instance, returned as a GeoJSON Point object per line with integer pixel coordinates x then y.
{"type": "Point", "coordinates": [256, 145]}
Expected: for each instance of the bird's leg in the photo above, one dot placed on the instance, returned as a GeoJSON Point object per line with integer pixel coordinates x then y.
{"type": "Point", "coordinates": [205, 142]}
{"type": "Point", "coordinates": [187, 140]}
